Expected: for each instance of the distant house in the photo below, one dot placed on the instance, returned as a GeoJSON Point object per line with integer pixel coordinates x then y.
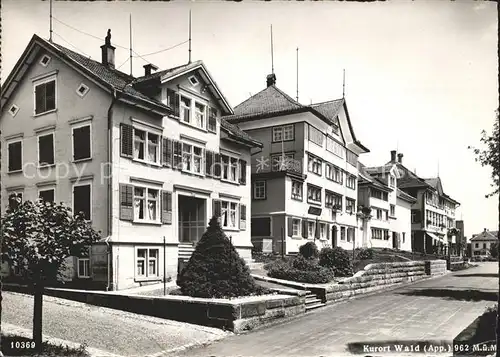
{"type": "Point", "coordinates": [482, 242]}
{"type": "Point", "coordinates": [304, 180]}
{"type": "Point", "coordinates": [145, 159]}
{"type": "Point", "coordinates": [390, 208]}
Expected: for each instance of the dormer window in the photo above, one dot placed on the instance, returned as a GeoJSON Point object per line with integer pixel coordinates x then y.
{"type": "Point", "coordinates": [194, 82]}
{"type": "Point", "coordinates": [13, 110]}
{"type": "Point", "coordinates": [392, 181]}
{"type": "Point", "coordinates": [44, 61]}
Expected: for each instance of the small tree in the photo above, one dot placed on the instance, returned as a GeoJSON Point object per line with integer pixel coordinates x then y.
{"type": "Point", "coordinates": [37, 238]}
{"type": "Point", "coordinates": [215, 270]}
{"type": "Point", "coordinates": [494, 250]}
{"type": "Point", "coordinates": [309, 250]}
{"type": "Point", "coordinates": [491, 157]}
{"type": "Point", "coordinates": [337, 259]}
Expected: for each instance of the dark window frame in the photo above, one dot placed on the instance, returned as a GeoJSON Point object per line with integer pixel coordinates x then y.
{"type": "Point", "coordinates": [76, 146]}
{"type": "Point", "coordinates": [18, 167]}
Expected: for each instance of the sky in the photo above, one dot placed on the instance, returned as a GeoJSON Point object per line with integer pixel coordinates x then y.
{"type": "Point", "coordinates": [421, 76]}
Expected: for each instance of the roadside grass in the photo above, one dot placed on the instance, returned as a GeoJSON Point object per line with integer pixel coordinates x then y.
{"type": "Point", "coordinates": [479, 334]}
{"type": "Point", "coordinates": [12, 345]}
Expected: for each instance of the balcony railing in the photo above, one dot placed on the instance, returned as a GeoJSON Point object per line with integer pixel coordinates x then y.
{"type": "Point", "coordinates": [264, 164]}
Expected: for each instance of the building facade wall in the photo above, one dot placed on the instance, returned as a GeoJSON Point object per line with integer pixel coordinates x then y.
{"type": "Point", "coordinates": [129, 236]}
{"type": "Point", "coordinates": [299, 210]}
{"type": "Point", "coordinates": [72, 110]}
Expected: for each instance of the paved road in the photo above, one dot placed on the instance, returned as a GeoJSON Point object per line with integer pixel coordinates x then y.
{"type": "Point", "coordinates": [103, 329]}
{"type": "Point", "coordinates": [436, 309]}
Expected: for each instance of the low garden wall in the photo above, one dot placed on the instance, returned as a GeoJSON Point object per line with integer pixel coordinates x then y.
{"type": "Point", "coordinates": [373, 277]}
{"type": "Point", "coordinates": [237, 315]}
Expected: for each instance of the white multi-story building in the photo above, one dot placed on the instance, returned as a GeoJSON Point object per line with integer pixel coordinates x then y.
{"type": "Point", "coordinates": [148, 160]}
{"type": "Point", "coordinates": [304, 180]}
{"type": "Point", "coordinates": [389, 224]}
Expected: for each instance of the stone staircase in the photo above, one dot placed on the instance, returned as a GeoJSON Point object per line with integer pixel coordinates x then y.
{"type": "Point", "coordinates": [185, 251]}
{"type": "Point", "coordinates": [313, 302]}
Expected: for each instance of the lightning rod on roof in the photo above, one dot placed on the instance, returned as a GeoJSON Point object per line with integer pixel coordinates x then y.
{"type": "Point", "coordinates": [272, 54]}
{"type": "Point", "coordinates": [297, 74]}
{"type": "Point", "coordinates": [50, 22]}
{"type": "Point", "coordinates": [343, 84]}
{"type": "Point", "coordinates": [189, 61]}
{"type": "Point", "coordinates": [130, 24]}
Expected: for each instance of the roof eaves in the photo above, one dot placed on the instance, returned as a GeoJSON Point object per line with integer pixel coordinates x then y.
{"type": "Point", "coordinates": [235, 118]}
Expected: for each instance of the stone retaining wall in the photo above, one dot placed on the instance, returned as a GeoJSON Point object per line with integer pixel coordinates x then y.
{"type": "Point", "coordinates": [373, 277]}
{"type": "Point", "coordinates": [237, 315]}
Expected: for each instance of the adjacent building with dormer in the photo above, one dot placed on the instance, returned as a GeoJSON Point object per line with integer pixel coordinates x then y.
{"type": "Point", "coordinates": [147, 160]}
{"type": "Point", "coordinates": [432, 214]}
{"type": "Point", "coordinates": [387, 222]}
{"type": "Point", "coordinates": [304, 179]}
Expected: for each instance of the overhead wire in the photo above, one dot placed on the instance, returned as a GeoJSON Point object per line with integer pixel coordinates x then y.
{"type": "Point", "coordinates": [69, 43]}
{"type": "Point", "coordinates": [137, 55]}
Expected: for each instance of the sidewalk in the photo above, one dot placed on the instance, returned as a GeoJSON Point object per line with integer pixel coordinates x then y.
{"type": "Point", "coordinates": [107, 332]}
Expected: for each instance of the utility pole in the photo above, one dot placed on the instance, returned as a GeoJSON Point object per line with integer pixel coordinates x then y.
{"type": "Point", "coordinates": [164, 267]}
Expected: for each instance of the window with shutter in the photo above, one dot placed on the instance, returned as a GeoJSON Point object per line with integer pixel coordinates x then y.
{"type": "Point", "coordinates": [177, 154]}
{"type": "Point", "coordinates": [15, 156]}
{"type": "Point", "coordinates": [216, 208]}
{"type": "Point", "coordinates": [212, 120]}
{"type": "Point", "coordinates": [166, 207]}
{"type": "Point", "coordinates": [82, 200]}
{"type": "Point", "coordinates": [209, 161]}
{"type": "Point", "coordinates": [217, 165]}
{"type": "Point", "coordinates": [243, 217]}
{"type": "Point", "coordinates": [243, 172]}
{"type": "Point", "coordinates": [169, 153]}
{"type": "Point", "coordinates": [82, 142]}
{"type": "Point", "coordinates": [46, 149]}
{"type": "Point", "coordinates": [126, 202]}
{"type": "Point", "coordinates": [126, 138]}
{"type": "Point", "coordinates": [45, 97]}
{"type": "Point", "coordinates": [173, 101]}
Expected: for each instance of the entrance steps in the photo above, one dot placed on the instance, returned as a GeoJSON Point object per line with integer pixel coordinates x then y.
{"type": "Point", "coordinates": [185, 251]}
{"type": "Point", "coordinates": [313, 302]}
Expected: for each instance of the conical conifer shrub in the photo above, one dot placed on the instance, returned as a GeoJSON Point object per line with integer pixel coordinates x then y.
{"type": "Point", "coordinates": [215, 269]}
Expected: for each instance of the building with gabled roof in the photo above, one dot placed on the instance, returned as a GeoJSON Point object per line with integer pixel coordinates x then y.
{"type": "Point", "coordinates": [482, 243]}
{"type": "Point", "coordinates": [147, 160]}
{"type": "Point", "coordinates": [433, 213]}
{"type": "Point", "coordinates": [304, 180]}
{"type": "Point", "coordinates": [387, 225]}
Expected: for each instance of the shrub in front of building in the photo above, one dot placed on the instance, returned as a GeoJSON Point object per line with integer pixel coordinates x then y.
{"type": "Point", "coordinates": [215, 270]}
{"type": "Point", "coordinates": [337, 259]}
{"type": "Point", "coordinates": [300, 269]}
{"type": "Point", "coordinates": [309, 250]}
{"type": "Point", "coordinates": [364, 253]}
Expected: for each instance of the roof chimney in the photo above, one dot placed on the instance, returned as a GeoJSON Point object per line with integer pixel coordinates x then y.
{"type": "Point", "coordinates": [393, 156]}
{"type": "Point", "coordinates": [400, 158]}
{"type": "Point", "coordinates": [148, 68]}
{"type": "Point", "coordinates": [108, 52]}
{"type": "Point", "coordinates": [486, 229]}
{"type": "Point", "coordinates": [271, 79]}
